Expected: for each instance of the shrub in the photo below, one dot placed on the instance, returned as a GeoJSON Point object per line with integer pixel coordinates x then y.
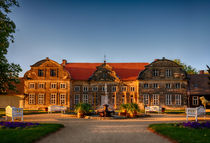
{"type": "Point", "coordinates": [83, 108]}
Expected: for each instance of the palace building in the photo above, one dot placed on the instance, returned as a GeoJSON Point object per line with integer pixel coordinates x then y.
{"type": "Point", "coordinates": [162, 82]}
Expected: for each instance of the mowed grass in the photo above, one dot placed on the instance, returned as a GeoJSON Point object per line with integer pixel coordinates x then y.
{"type": "Point", "coordinates": [27, 135]}
{"type": "Point", "coordinates": [182, 135]}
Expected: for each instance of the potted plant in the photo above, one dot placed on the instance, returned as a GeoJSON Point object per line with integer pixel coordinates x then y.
{"type": "Point", "coordinates": [123, 109]}
{"type": "Point", "coordinates": [82, 109]}
{"type": "Point", "coordinates": [132, 109]}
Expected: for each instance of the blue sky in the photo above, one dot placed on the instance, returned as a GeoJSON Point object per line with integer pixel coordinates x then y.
{"type": "Point", "coordinates": [123, 30]}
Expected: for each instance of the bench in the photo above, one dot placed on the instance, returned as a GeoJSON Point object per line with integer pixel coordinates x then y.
{"type": "Point", "coordinates": [153, 108]}
{"type": "Point", "coordinates": [56, 108]}
{"type": "Point", "coordinates": [196, 112]}
{"type": "Point", "coordinates": [14, 112]}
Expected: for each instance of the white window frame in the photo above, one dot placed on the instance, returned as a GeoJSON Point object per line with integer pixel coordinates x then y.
{"type": "Point", "coordinates": [62, 98]}
{"type": "Point", "coordinates": [168, 99]}
{"type": "Point", "coordinates": [146, 85]}
{"type": "Point", "coordinates": [168, 85]}
{"type": "Point", "coordinates": [155, 85]}
{"type": "Point", "coordinates": [132, 88]}
{"type": "Point", "coordinates": [178, 99]}
{"type": "Point", "coordinates": [176, 85]}
{"type": "Point", "coordinates": [168, 73]}
{"type": "Point", "coordinates": [76, 99]}
{"type": "Point", "coordinates": [63, 85]}
{"type": "Point", "coordinates": [41, 98]}
{"type": "Point", "coordinates": [114, 88]}
{"type": "Point", "coordinates": [31, 85]}
{"type": "Point", "coordinates": [123, 88]}
{"type": "Point", "coordinates": [95, 88]}
{"type": "Point", "coordinates": [155, 98]}
{"type": "Point", "coordinates": [85, 88]}
{"type": "Point", "coordinates": [76, 88]}
{"type": "Point", "coordinates": [146, 99]}
{"type": "Point", "coordinates": [195, 100]}
{"type": "Point", "coordinates": [155, 73]}
{"type": "Point", "coordinates": [31, 98]}
{"type": "Point", "coordinates": [53, 85]}
{"type": "Point", "coordinates": [85, 98]}
{"type": "Point", "coordinates": [53, 98]}
{"type": "Point", "coordinates": [41, 85]}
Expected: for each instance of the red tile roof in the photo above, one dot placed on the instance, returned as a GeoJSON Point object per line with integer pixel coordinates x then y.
{"type": "Point", "coordinates": [125, 71]}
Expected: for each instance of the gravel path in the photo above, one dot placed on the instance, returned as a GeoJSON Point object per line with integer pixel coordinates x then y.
{"type": "Point", "coordinates": [104, 131]}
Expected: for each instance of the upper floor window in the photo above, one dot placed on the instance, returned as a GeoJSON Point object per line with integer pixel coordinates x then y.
{"type": "Point", "coordinates": [52, 72]}
{"type": "Point", "coordinates": [177, 85]}
{"type": "Point", "coordinates": [85, 88]}
{"type": "Point", "coordinates": [76, 88]}
{"type": "Point", "coordinates": [123, 88]}
{"type": "Point", "coordinates": [41, 85]}
{"type": "Point", "coordinates": [40, 72]}
{"type": "Point", "coordinates": [95, 88]}
{"type": "Point", "coordinates": [53, 85]}
{"type": "Point", "coordinates": [132, 88]}
{"type": "Point", "coordinates": [63, 85]}
{"type": "Point", "coordinates": [168, 85]}
{"type": "Point", "coordinates": [155, 85]}
{"type": "Point", "coordinates": [155, 72]}
{"type": "Point", "coordinates": [31, 85]}
{"type": "Point", "coordinates": [168, 73]}
{"type": "Point", "coordinates": [113, 88]}
{"type": "Point", "coordinates": [146, 85]}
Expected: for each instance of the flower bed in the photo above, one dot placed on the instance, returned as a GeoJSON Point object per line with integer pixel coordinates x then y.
{"type": "Point", "coordinates": [196, 125]}
{"type": "Point", "coordinates": [17, 124]}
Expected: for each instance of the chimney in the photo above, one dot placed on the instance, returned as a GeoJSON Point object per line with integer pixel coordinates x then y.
{"type": "Point", "coordinates": [201, 72]}
{"type": "Point", "coordinates": [64, 62]}
{"type": "Point", "coordinates": [155, 59]}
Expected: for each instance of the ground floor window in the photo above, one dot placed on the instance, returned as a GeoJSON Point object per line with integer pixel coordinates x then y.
{"type": "Point", "coordinates": [31, 99]}
{"type": "Point", "coordinates": [146, 99]}
{"type": "Point", "coordinates": [62, 98]}
{"type": "Point", "coordinates": [76, 99]}
{"type": "Point", "coordinates": [123, 99]}
{"type": "Point", "coordinates": [85, 98]}
{"type": "Point", "coordinates": [132, 99]}
{"type": "Point", "coordinates": [155, 99]}
{"type": "Point", "coordinates": [178, 99]}
{"type": "Point", "coordinates": [113, 99]}
{"type": "Point", "coordinates": [41, 98]}
{"type": "Point", "coordinates": [195, 100]}
{"type": "Point", "coordinates": [53, 98]}
{"type": "Point", "coordinates": [168, 99]}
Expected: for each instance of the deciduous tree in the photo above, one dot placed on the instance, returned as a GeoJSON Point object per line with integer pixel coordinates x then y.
{"type": "Point", "coordinates": [188, 68]}
{"type": "Point", "coordinates": [9, 72]}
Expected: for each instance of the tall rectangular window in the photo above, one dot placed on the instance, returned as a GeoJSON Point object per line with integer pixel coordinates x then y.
{"type": "Point", "coordinates": [31, 85]}
{"type": "Point", "coordinates": [53, 85]}
{"type": "Point", "coordinates": [178, 99]}
{"type": "Point", "coordinates": [168, 99]}
{"type": "Point", "coordinates": [76, 99]}
{"type": "Point", "coordinates": [123, 88]}
{"type": "Point", "coordinates": [132, 88]}
{"type": "Point", "coordinates": [95, 88]}
{"type": "Point", "coordinates": [40, 72]}
{"type": "Point", "coordinates": [41, 98]}
{"type": "Point", "coordinates": [155, 99]}
{"type": "Point", "coordinates": [31, 98]}
{"type": "Point", "coordinates": [168, 73]}
{"type": "Point", "coordinates": [96, 99]}
{"type": "Point", "coordinates": [113, 88]}
{"type": "Point", "coordinates": [131, 98]}
{"type": "Point", "coordinates": [52, 72]}
{"type": "Point", "coordinates": [177, 85]}
{"type": "Point", "coordinates": [155, 85]}
{"type": "Point", "coordinates": [85, 88]}
{"type": "Point", "coordinates": [123, 99]}
{"type": "Point", "coordinates": [62, 85]}
{"type": "Point", "coordinates": [85, 98]}
{"type": "Point", "coordinates": [146, 99]}
{"type": "Point", "coordinates": [41, 85]}
{"type": "Point", "coordinates": [113, 99]}
{"type": "Point", "coordinates": [168, 85]}
{"type": "Point", "coordinates": [53, 98]}
{"type": "Point", "coordinates": [77, 88]}
{"type": "Point", "coordinates": [155, 72]}
{"type": "Point", "coordinates": [62, 98]}
{"type": "Point", "coordinates": [195, 100]}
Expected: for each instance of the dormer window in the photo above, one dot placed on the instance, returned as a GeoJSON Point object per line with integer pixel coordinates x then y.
{"type": "Point", "coordinates": [40, 72]}
{"type": "Point", "coordinates": [52, 72]}
{"type": "Point", "coordinates": [155, 72]}
{"type": "Point", "coordinates": [168, 73]}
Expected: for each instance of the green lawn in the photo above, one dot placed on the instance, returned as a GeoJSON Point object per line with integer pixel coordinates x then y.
{"type": "Point", "coordinates": [27, 135]}
{"type": "Point", "coordinates": [182, 135]}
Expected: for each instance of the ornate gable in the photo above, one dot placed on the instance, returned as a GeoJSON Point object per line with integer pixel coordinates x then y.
{"type": "Point", "coordinates": [104, 72]}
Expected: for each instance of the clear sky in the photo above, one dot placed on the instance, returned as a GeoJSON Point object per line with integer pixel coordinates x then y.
{"type": "Point", "coordinates": [123, 30]}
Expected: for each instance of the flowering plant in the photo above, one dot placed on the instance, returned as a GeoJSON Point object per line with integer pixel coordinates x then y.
{"type": "Point", "coordinates": [196, 125]}
{"type": "Point", "coordinates": [17, 124]}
